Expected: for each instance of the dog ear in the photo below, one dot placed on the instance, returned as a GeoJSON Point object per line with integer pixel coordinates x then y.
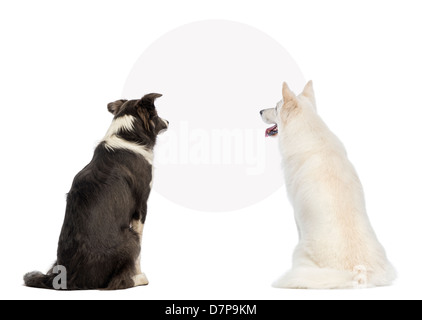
{"type": "Point", "coordinates": [288, 94]}
{"type": "Point", "coordinates": [308, 92]}
{"type": "Point", "coordinates": [114, 107]}
{"type": "Point", "coordinates": [147, 101]}
{"type": "Point", "coordinates": [144, 108]}
{"type": "Point", "coordinates": [290, 104]}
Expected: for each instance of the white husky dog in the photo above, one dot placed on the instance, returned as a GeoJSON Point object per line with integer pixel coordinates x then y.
{"type": "Point", "coordinates": [337, 246]}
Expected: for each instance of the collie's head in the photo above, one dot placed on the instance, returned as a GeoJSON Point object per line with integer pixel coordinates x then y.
{"type": "Point", "coordinates": [137, 120]}
{"type": "Point", "coordinates": [289, 109]}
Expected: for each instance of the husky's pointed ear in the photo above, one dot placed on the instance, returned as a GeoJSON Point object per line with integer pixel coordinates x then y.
{"type": "Point", "coordinates": [114, 107]}
{"type": "Point", "coordinates": [290, 104]}
{"type": "Point", "coordinates": [308, 92]}
{"type": "Point", "coordinates": [288, 94]}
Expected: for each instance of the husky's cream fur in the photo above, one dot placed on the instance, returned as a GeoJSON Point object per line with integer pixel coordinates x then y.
{"type": "Point", "coordinates": [337, 246]}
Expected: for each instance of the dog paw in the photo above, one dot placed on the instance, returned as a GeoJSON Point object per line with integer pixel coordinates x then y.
{"type": "Point", "coordinates": [360, 278]}
{"type": "Point", "coordinates": [140, 280]}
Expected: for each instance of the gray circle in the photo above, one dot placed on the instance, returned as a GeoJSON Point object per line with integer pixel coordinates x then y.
{"type": "Point", "coordinates": [215, 77]}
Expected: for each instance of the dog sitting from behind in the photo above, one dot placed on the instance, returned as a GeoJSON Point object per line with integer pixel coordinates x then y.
{"type": "Point", "coordinates": [100, 240]}
{"type": "Point", "coordinates": [337, 246]}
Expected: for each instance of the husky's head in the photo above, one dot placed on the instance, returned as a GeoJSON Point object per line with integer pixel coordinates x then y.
{"type": "Point", "coordinates": [288, 108]}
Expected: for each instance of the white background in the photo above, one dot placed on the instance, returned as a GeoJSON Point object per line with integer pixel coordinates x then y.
{"type": "Point", "coordinates": [60, 64]}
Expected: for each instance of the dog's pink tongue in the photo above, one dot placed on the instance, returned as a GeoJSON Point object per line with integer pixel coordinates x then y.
{"type": "Point", "coordinates": [271, 131]}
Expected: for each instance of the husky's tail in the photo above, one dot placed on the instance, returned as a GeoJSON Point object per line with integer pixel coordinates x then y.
{"type": "Point", "coordinates": [323, 278]}
{"type": "Point", "coordinates": [36, 279]}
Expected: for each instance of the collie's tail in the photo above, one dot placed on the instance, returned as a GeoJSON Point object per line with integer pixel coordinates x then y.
{"type": "Point", "coordinates": [36, 279]}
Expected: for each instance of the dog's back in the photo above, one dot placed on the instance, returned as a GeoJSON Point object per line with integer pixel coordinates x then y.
{"type": "Point", "coordinates": [97, 241]}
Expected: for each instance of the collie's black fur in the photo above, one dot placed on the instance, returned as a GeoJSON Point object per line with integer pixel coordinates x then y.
{"type": "Point", "coordinates": [98, 245]}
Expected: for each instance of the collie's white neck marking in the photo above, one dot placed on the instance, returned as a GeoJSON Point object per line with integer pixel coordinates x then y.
{"type": "Point", "coordinates": [112, 141]}
{"type": "Point", "coordinates": [125, 122]}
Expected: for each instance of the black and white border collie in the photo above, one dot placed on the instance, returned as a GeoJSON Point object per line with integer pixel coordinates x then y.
{"type": "Point", "coordinates": [100, 241]}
